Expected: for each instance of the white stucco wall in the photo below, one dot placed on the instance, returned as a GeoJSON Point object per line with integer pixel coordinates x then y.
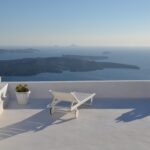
{"type": "Point", "coordinates": [103, 89]}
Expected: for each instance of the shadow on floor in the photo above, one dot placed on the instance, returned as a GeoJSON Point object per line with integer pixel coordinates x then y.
{"type": "Point", "coordinates": [32, 104]}
{"type": "Point", "coordinates": [139, 108]}
{"type": "Point", "coordinates": [140, 111]}
{"type": "Point", "coordinates": [35, 123]}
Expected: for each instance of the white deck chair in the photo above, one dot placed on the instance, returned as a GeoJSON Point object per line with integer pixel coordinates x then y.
{"type": "Point", "coordinates": [3, 97]}
{"type": "Point", "coordinates": [75, 99]}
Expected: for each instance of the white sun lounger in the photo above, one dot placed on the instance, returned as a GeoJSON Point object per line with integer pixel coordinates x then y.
{"type": "Point", "coordinates": [74, 99]}
{"type": "Point", "coordinates": [3, 97]}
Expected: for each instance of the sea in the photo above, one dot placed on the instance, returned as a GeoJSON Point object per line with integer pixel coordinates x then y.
{"type": "Point", "coordinates": [139, 56]}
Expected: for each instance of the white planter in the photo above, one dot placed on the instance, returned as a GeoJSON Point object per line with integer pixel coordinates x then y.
{"type": "Point", "coordinates": [23, 97]}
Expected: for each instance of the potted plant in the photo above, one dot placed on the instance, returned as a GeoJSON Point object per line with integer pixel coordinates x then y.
{"type": "Point", "coordinates": [22, 93]}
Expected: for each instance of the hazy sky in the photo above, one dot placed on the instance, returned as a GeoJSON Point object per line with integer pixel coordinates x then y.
{"type": "Point", "coordinates": [81, 22]}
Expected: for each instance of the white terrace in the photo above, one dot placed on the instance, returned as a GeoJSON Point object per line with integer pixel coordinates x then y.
{"type": "Point", "coordinates": [118, 120]}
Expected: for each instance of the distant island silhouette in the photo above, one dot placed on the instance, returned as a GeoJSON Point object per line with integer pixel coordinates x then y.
{"type": "Point", "coordinates": [106, 52]}
{"type": "Point", "coordinates": [34, 66]}
{"type": "Point", "coordinates": [86, 57]}
{"type": "Point", "coordinates": [28, 50]}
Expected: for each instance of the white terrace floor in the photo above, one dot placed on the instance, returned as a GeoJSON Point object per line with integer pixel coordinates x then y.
{"type": "Point", "coordinates": [107, 125]}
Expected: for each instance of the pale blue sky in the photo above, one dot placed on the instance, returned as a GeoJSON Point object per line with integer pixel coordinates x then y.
{"type": "Point", "coordinates": [81, 22]}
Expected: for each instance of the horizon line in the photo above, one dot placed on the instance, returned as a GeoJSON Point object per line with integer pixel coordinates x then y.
{"type": "Point", "coordinates": [75, 45]}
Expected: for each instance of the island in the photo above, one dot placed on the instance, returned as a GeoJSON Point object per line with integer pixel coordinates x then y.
{"type": "Point", "coordinates": [28, 50]}
{"type": "Point", "coordinates": [34, 66]}
{"type": "Point", "coordinates": [106, 52]}
{"type": "Point", "coordinates": [86, 57]}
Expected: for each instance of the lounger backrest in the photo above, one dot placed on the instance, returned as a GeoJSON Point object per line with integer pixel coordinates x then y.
{"type": "Point", "coordinates": [3, 91]}
{"type": "Point", "coordinates": [63, 96]}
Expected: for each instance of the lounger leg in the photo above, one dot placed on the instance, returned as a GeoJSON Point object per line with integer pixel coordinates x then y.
{"type": "Point", "coordinates": [91, 101]}
{"type": "Point", "coordinates": [51, 110]}
{"type": "Point", "coordinates": [76, 113]}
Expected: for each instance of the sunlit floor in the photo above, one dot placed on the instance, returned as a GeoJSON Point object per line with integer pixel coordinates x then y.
{"type": "Point", "coordinates": [107, 125]}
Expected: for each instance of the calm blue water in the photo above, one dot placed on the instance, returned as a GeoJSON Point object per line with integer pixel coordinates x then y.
{"type": "Point", "coordinates": [133, 56]}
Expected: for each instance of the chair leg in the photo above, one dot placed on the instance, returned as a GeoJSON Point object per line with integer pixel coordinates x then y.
{"type": "Point", "coordinates": [91, 101]}
{"type": "Point", "coordinates": [51, 110]}
{"type": "Point", "coordinates": [76, 113]}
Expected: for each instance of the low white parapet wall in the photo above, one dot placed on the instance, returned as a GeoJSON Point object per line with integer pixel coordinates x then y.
{"type": "Point", "coordinates": [103, 89]}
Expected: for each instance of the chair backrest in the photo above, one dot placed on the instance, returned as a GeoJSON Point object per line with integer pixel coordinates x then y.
{"type": "Point", "coordinates": [3, 91]}
{"type": "Point", "coordinates": [63, 96]}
